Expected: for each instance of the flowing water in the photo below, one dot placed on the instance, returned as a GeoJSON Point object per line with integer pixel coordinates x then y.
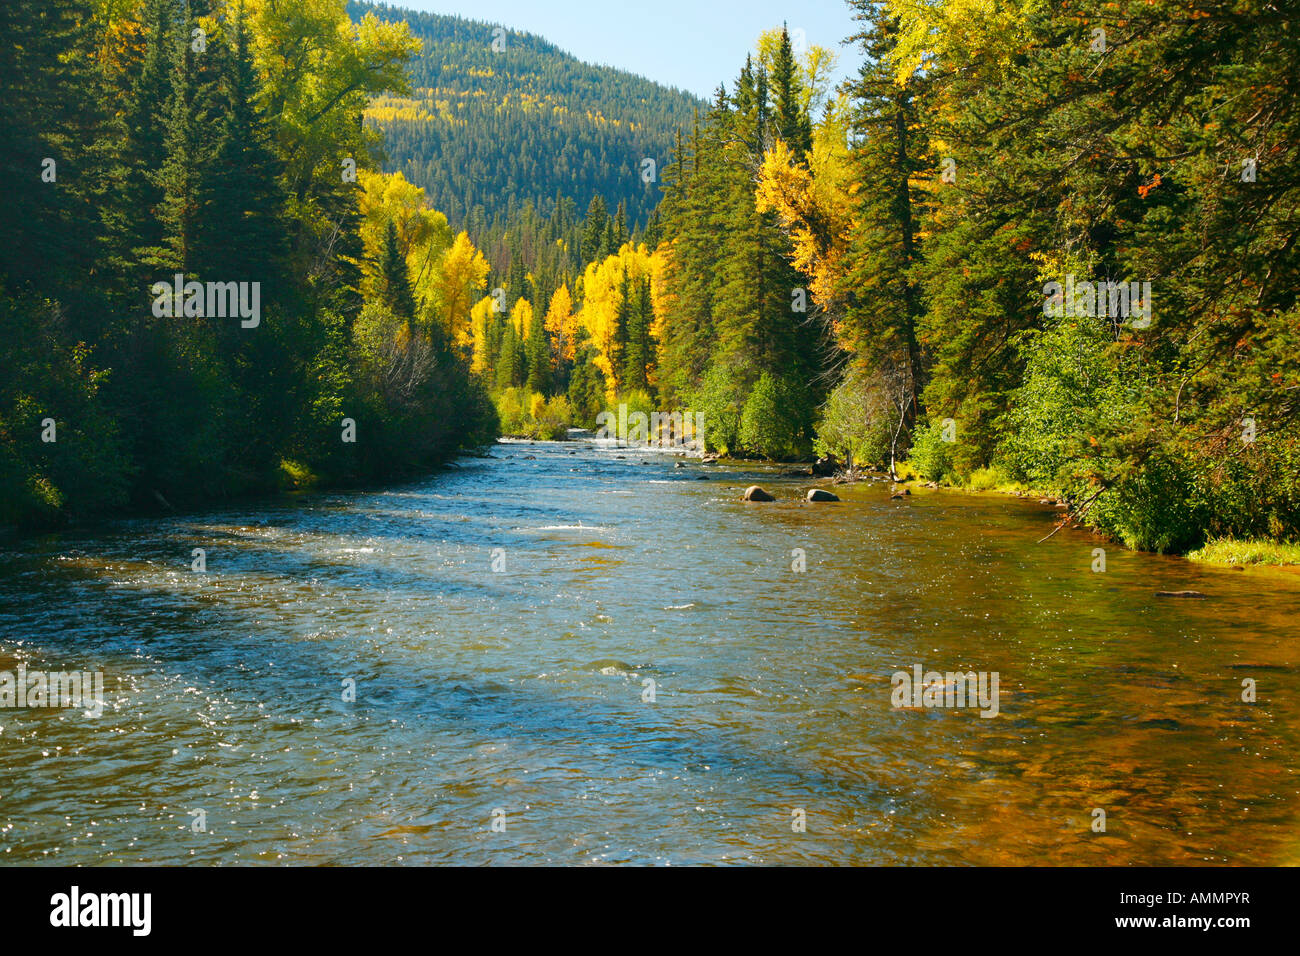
{"type": "Point", "coordinates": [502, 622]}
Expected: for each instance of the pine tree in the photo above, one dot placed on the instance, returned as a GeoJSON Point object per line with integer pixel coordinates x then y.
{"type": "Point", "coordinates": [620, 226]}
{"type": "Point", "coordinates": [188, 146]}
{"type": "Point", "coordinates": [538, 349]}
{"type": "Point", "coordinates": [884, 299]}
{"type": "Point", "coordinates": [593, 232]}
{"type": "Point", "coordinates": [638, 354]}
{"type": "Point", "coordinates": [791, 122]}
{"type": "Point", "coordinates": [240, 232]}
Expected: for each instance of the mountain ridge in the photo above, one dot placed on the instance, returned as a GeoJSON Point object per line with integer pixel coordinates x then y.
{"type": "Point", "coordinates": [497, 118]}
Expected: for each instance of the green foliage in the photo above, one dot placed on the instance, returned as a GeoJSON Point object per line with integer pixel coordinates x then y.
{"type": "Point", "coordinates": [586, 392]}
{"type": "Point", "coordinates": [1230, 551]}
{"type": "Point", "coordinates": [858, 421]}
{"type": "Point", "coordinates": [719, 400]}
{"type": "Point", "coordinates": [528, 414]}
{"type": "Point", "coordinates": [221, 165]}
{"type": "Point", "coordinates": [771, 420]}
{"type": "Point", "coordinates": [85, 470]}
{"type": "Point", "coordinates": [930, 455]}
{"type": "Point", "coordinates": [729, 318]}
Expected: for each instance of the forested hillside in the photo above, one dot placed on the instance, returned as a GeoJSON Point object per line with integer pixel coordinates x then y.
{"type": "Point", "coordinates": [496, 118]}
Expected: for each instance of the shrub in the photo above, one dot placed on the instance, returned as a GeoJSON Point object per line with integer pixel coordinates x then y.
{"type": "Point", "coordinates": [858, 420]}
{"type": "Point", "coordinates": [931, 456]}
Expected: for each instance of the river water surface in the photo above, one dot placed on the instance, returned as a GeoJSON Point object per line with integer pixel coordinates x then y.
{"type": "Point", "coordinates": [502, 621]}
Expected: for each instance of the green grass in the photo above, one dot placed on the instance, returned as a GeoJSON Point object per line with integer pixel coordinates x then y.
{"type": "Point", "coordinates": [982, 479]}
{"type": "Point", "coordinates": [1231, 551]}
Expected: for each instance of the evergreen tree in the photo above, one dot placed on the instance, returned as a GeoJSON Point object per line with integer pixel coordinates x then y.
{"type": "Point", "coordinates": [240, 231]}
{"type": "Point", "coordinates": [395, 277]}
{"type": "Point", "coordinates": [538, 349]}
{"type": "Point", "coordinates": [884, 300]}
{"type": "Point", "coordinates": [187, 166]}
{"type": "Point", "coordinates": [792, 122]}
{"type": "Point", "coordinates": [593, 233]}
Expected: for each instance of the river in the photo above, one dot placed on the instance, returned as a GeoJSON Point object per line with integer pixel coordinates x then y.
{"type": "Point", "coordinates": [502, 622]}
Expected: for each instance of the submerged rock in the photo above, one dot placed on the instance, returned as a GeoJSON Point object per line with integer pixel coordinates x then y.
{"type": "Point", "coordinates": [755, 493]}
{"type": "Point", "coordinates": [821, 494]}
{"type": "Point", "coordinates": [1180, 594]}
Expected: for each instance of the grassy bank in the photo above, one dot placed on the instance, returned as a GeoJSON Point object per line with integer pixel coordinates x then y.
{"type": "Point", "coordinates": [1230, 551]}
{"type": "Point", "coordinates": [1226, 551]}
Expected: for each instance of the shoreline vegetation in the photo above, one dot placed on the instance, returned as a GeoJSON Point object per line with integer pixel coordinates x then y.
{"type": "Point", "coordinates": [919, 267]}
{"type": "Point", "coordinates": [912, 269]}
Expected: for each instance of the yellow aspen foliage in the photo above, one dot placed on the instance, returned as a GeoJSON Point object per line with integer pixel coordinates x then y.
{"type": "Point", "coordinates": [422, 233]}
{"type": "Point", "coordinates": [522, 316]}
{"type": "Point", "coordinates": [461, 275]}
{"type": "Point", "coordinates": [562, 324]}
{"type": "Point", "coordinates": [812, 204]}
{"type": "Point", "coordinates": [602, 287]}
{"type": "Point", "coordinates": [987, 32]}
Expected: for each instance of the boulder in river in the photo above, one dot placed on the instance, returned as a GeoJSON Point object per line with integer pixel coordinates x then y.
{"type": "Point", "coordinates": [755, 493]}
{"type": "Point", "coordinates": [821, 494]}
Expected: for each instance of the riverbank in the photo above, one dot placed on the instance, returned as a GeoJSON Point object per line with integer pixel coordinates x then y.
{"type": "Point", "coordinates": [1231, 552]}
{"type": "Point", "coordinates": [1223, 552]}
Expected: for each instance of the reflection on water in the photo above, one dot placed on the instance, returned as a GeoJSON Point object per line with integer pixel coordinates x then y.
{"type": "Point", "coordinates": [522, 689]}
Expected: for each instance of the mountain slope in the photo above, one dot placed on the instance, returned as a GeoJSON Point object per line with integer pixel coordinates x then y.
{"type": "Point", "coordinates": [528, 122]}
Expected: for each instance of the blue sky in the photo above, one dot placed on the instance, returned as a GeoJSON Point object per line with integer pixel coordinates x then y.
{"type": "Point", "coordinates": [691, 44]}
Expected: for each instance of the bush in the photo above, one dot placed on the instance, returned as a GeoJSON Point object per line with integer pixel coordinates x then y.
{"type": "Point", "coordinates": [85, 470]}
{"type": "Point", "coordinates": [858, 420]}
{"type": "Point", "coordinates": [773, 420]}
{"type": "Point", "coordinates": [719, 401]}
{"type": "Point", "coordinates": [931, 456]}
{"type": "Point", "coordinates": [525, 414]}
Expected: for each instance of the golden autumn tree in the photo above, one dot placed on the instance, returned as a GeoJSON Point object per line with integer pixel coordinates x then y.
{"type": "Point", "coordinates": [422, 233]}
{"type": "Point", "coordinates": [607, 286]}
{"type": "Point", "coordinates": [812, 201]}
{"type": "Point", "coordinates": [462, 273]}
{"type": "Point", "coordinates": [562, 324]}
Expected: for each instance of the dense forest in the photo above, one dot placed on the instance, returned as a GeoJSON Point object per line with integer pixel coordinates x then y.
{"type": "Point", "coordinates": [206, 289]}
{"type": "Point", "coordinates": [1031, 245]}
{"type": "Point", "coordinates": [497, 118]}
